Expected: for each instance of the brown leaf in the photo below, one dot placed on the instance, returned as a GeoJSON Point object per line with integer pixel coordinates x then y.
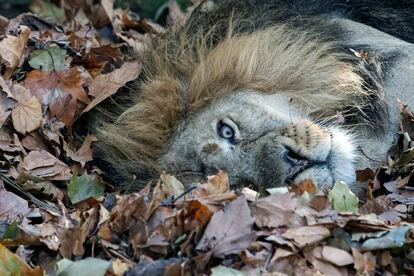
{"type": "Point", "coordinates": [11, 206]}
{"type": "Point", "coordinates": [27, 115]}
{"type": "Point", "coordinates": [72, 240]}
{"type": "Point", "coordinates": [303, 186]}
{"type": "Point", "coordinates": [104, 86]}
{"type": "Point", "coordinates": [5, 88]}
{"type": "Point", "coordinates": [39, 186]}
{"type": "Point", "coordinates": [316, 258]}
{"type": "Point", "coordinates": [364, 262]}
{"type": "Point", "coordinates": [274, 211]}
{"type": "Point", "coordinates": [84, 153]}
{"type": "Point", "coordinates": [336, 256]}
{"type": "Point", "coordinates": [32, 141]}
{"type": "Point", "coordinates": [216, 184]}
{"type": "Point", "coordinates": [12, 47]}
{"type": "Point", "coordinates": [365, 175]}
{"type": "Point", "coordinates": [229, 230]}
{"type": "Point", "coordinates": [44, 165]}
{"type": "Point", "coordinates": [307, 235]}
{"type": "Point", "coordinates": [58, 90]}
{"type": "Point", "coordinates": [127, 217]}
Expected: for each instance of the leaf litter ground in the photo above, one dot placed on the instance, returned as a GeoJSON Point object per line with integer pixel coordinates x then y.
{"type": "Point", "coordinates": [59, 216]}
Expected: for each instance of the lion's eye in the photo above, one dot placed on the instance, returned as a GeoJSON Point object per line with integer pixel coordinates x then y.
{"type": "Point", "coordinates": [225, 131]}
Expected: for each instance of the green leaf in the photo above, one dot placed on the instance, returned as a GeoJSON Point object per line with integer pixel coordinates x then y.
{"type": "Point", "coordinates": [84, 187]}
{"type": "Point", "coordinates": [394, 238]}
{"type": "Point", "coordinates": [342, 198]}
{"type": "Point", "coordinates": [11, 264]}
{"type": "Point", "coordinates": [12, 232]}
{"type": "Point", "coordinates": [52, 58]}
{"type": "Point", "coordinates": [85, 267]}
{"type": "Point", "coordinates": [225, 271]}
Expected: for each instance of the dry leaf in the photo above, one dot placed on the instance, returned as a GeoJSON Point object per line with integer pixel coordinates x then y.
{"type": "Point", "coordinates": [316, 258]}
{"type": "Point", "coordinates": [274, 211]}
{"type": "Point", "coordinates": [104, 86]}
{"type": "Point", "coordinates": [84, 153]}
{"type": "Point", "coordinates": [27, 115]}
{"type": "Point", "coordinates": [216, 184]}
{"type": "Point", "coordinates": [364, 262]}
{"type": "Point", "coordinates": [11, 206]}
{"type": "Point", "coordinates": [12, 47]}
{"type": "Point", "coordinates": [229, 230]}
{"type": "Point", "coordinates": [336, 256]}
{"type": "Point", "coordinates": [307, 235]}
{"type": "Point", "coordinates": [44, 165]}
{"type": "Point", "coordinates": [58, 90]}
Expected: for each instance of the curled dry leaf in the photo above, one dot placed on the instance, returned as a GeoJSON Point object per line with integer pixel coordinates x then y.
{"type": "Point", "coordinates": [84, 153]}
{"type": "Point", "coordinates": [44, 165]}
{"type": "Point", "coordinates": [127, 218]}
{"type": "Point", "coordinates": [216, 184]}
{"type": "Point", "coordinates": [170, 185]}
{"type": "Point", "coordinates": [229, 230]}
{"type": "Point", "coordinates": [12, 47]}
{"type": "Point", "coordinates": [104, 86]}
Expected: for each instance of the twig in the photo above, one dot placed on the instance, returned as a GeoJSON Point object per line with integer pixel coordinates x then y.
{"type": "Point", "coordinates": [29, 196]}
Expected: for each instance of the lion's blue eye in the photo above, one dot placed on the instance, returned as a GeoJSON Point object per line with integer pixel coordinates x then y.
{"type": "Point", "coordinates": [226, 132]}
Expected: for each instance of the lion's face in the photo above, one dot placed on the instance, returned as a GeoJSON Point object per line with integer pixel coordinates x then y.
{"type": "Point", "coordinates": [262, 140]}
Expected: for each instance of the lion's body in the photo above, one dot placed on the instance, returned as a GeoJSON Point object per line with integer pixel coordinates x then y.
{"type": "Point", "coordinates": [280, 76]}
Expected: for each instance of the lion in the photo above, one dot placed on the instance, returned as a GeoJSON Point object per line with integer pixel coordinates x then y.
{"type": "Point", "coordinates": [272, 92]}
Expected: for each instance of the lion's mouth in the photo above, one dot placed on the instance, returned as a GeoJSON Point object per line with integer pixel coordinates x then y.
{"type": "Point", "coordinates": [298, 165]}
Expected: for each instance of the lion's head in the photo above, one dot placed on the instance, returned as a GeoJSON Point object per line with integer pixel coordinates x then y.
{"type": "Point", "coordinates": [260, 105]}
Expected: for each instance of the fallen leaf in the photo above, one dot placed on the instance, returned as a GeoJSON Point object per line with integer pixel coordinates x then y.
{"type": "Point", "coordinates": [48, 59]}
{"type": "Point", "coordinates": [364, 263]}
{"type": "Point", "coordinates": [84, 187]}
{"type": "Point", "coordinates": [336, 256]}
{"type": "Point", "coordinates": [315, 257]}
{"type": "Point", "coordinates": [44, 165]}
{"type": "Point", "coordinates": [216, 184]}
{"type": "Point", "coordinates": [84, 153]}
{"type": "Point", "coordinates": [27, 115]}
{"type": "Point", "coordinates": [12, 47]}
{"type": "Point", "coordinates": [394, 238]}
{"type": "Point", "coordinates": [11, 264]}
{"type": "Point", "coordinates": [342, 198]}
{"type": "Point", "coordinates": [11, 206]}
{"type": "Point", "coordinates": [5, 88]}
{"type": "Point", "coordinates": [87, 266]}
{"type": "Point", "coordinates": [58, 90]}
{"type": "Point", "coordinates": [39, 186]}
{"type": "Point", "coordinates": [170, 185]}
{"type": "Point", "coordinates": [229, 230]}
{"type": "Point", "coordinates": [274, 211]}
{"type": "Point", "coordinates": [127, 218]}
{"type": "Point", "coordinates": [225, 271]}
{"type": "Point", "coordinates": [104, 86]}
{"type": "Point", "coordinates": [6, 105]}
{"type": "Point", "coordinates": [307, 235]}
